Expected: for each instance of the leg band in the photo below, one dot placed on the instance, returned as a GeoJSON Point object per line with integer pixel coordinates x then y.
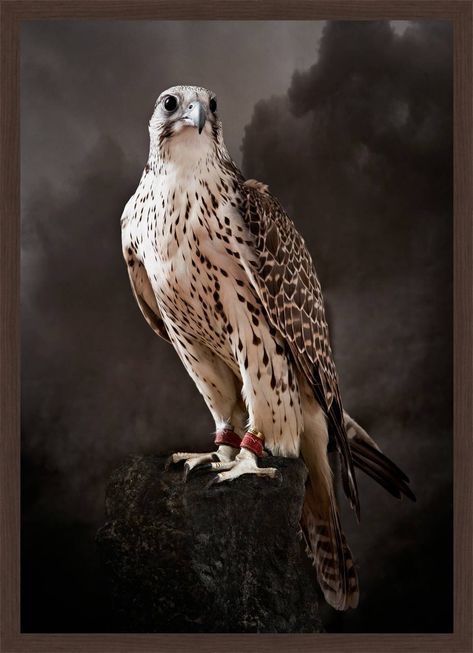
{"type": "Point", "coordinates": [253, 443]}
{"type": "Point", "coordinates": [228, 437]}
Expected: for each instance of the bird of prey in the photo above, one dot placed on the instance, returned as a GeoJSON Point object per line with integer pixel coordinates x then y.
{"type": "Point", "coordinates": [219, 270]}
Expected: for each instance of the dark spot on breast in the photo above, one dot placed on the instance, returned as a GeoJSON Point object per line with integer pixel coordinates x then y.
{"type": "Point", "coordinates": [265, 357]}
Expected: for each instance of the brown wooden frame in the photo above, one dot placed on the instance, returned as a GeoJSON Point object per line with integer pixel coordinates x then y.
{"type": "Point", "coordinates": [14, 11]}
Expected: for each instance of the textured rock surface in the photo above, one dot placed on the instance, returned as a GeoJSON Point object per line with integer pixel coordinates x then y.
{"type": "Point", "coordinates": [183, 558]}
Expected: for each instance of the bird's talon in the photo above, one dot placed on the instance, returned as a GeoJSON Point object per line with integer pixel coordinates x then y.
{"type": "Point", "coordinates": [168, 463]}
{"type": "Point", "coordinates": [191, 461]}
{"type": "Point", "coordinates": [213, 481]}
{"type": "Point", "coordinates": [199, 469]}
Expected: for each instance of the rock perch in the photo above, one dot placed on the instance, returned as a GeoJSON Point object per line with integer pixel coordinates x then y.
{"type": "Point", "coordinates": [183, 558]}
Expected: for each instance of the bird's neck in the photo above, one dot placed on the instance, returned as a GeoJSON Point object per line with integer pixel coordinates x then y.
{"type": "Point", "coordinates": [181, 163]}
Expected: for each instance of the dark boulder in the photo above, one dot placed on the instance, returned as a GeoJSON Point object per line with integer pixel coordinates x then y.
{"type": "Point", "coordinates": [183, 558]}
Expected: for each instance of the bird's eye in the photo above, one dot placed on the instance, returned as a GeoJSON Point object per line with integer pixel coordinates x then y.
{"type": "Point", "coordinates": [213, 105]}
{"type": "Point", "coordinates": [170, 103]}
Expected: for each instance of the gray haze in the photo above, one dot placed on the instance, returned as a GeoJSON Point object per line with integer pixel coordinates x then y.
{"type": "Point", "coordinates": [355, 138]}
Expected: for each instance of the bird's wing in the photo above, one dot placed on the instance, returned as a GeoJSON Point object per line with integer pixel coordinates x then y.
{"type": "Point", "coordinates": [140, 282]}
{"type": "Point", "coordinates": [285, 280]}
{"type": "Point", "coordinates": [146, 300]}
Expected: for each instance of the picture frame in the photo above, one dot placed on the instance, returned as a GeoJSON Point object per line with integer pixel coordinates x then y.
{"type": "Point", "coordinates": [15, 11]}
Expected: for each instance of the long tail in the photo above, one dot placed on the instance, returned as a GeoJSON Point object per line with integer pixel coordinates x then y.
{"type": "Point", "coordinates": [329, 551]}
{"type": "Point", "coordinates": [368, 457]}
{"type": "Point", "coordinates": [320, 521]}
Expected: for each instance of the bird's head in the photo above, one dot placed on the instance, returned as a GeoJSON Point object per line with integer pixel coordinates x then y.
{"type": "Point", "coordinates": [185, 121]}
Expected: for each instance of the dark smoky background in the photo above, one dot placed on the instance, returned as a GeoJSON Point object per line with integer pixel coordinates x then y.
{"type": "Point", "coordinates": [350, 123]}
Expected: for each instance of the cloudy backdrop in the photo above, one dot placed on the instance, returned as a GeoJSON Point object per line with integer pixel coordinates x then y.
{"type": "Point", "coordinates": [351, 126]}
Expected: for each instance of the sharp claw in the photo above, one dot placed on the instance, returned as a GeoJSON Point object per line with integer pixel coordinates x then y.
{"type": "Point", "coordinates": [170, 461]}
{"type": "Point", "coordinates": [198, 469]}
{"type": "Point", "coordinates": [213, 481]}
{"type": "Point", "coordinates": [187, 469]}
{"type": "Point", "coordinates": [278, 477]}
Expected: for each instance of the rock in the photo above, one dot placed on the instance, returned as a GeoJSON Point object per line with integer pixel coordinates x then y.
{"type": "Point", "coordinates": [183, 558]}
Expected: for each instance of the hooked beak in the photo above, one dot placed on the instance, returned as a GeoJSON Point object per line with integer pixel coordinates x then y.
{"type": "Point", "coordinates": [196, 115]}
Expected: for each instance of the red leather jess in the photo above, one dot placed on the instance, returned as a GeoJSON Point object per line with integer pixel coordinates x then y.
{"type": "Point", "coordinates": [252, 443]}
{"type": "Point", "coordinates": [229, 437]}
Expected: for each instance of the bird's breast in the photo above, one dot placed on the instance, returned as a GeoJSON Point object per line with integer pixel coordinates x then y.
{"type": "Point", "coordinates": [194, 249]}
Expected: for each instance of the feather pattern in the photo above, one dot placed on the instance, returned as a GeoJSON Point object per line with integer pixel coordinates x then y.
{"type": "Point", "coordinates": [220, 271]}
{"type": "Point", "coordinates": [144, 295]}
{"type": "Point", "coordinates": [327, 547]}
{"type": "Point", "coordinates": [368, 457]}
{"type": "Point", "coordinates": [288, 287]}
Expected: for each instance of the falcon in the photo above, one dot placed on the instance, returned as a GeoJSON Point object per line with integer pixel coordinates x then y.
{"type": "Point", "coordinates": [219, 271]}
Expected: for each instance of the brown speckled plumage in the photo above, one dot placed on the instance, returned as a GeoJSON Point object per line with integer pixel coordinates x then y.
{"type": "Point", "coordinates": [220, 271]}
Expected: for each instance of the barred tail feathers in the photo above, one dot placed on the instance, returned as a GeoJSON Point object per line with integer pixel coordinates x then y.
{"type": "Point", "coordinates": [329, 551]}
{"type": "Point", "coordinates": [320, 521]}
